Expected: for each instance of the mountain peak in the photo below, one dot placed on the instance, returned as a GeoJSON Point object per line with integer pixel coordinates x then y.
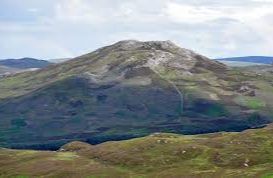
{"type": "Point", "coordinates": [131, 41]}
{"type": "Point", "coordinates": [160, 56]}
{"type": "Point", "coordinates": [135, 44]}
{"type": "Point", "coordinates": [151, 86]}
{"type": "Point", "coordinates": [156, 55]}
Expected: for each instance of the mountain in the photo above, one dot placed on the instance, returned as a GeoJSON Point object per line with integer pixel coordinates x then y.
{"type": "Point", "coordinates": [250, 59]}
{"type": "Point", "coordinates": [240, 63]}
{"type": "Point", "coordinates": [59, 60]}
{"type": "Point", "coordinates": [24, 63]}
{"type": "Point", "coordinates": [130, 89]}
{"type": "Point", "coordinates": [246, 154]}
{"type": "Point", "coordinates": [7, 70]}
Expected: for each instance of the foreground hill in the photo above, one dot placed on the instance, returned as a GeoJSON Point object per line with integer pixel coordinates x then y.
{"type": "Point", "coordinates": [245, 154]}
{"type": "Point", "coordinates": [250, 59]}
{"type": "Point", "coordinates": [130, 89]}
{"type": "Point", "coordinates": [24, 63]}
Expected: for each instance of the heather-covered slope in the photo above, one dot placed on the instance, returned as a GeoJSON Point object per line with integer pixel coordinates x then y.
{"type": "Point", "coordinates": [130, 89]}
{"type": "Point", "coordinates": [245, 154]}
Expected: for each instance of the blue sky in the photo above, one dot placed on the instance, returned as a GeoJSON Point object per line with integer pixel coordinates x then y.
{"type": "Point", "coordinates": [66, 28]}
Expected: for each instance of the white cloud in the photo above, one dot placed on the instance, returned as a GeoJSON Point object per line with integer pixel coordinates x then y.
{"type": "Point", "coordinates": [76, 11]}
{"type": "Point", "coordinates": [92, 12]}
{"type": "Point", "coordinates": [40, 47]}
{"type": "Point", "coordinates": [190, 14]}
{"type": "Point", "coordinates": [32, 10]}
{"type": "Point", "coordinates": [214, 28]}
{"type": "Point", "coordinates": [263, 1]}
{"type": "Point", "coordinates": [184, 13]}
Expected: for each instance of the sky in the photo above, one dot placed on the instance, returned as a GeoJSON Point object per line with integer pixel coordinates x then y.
{"type": "Point", "coordinates": [48, 29]}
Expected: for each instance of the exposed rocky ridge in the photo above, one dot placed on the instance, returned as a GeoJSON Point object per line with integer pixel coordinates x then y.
{"type": "Point", "coordinates": [158, 54]}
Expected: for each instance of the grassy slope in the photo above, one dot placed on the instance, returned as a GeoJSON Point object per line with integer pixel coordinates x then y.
{"type": "Point", "coordinates": [74, 109]}
{"type": "Point", "coordinates": [61, 112]}
{"type": "Point", "coordinates": [246, 154]}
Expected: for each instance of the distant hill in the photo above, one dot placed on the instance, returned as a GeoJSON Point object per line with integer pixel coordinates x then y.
{"type": "Point", "coordinates": [24, 63]}
{"type": "Point", "coordinates": [250, 59]}
{"type": "Point", "coordinates": [241, 64]}
{"type": "Point", "coordinates": [7, 70]}
{"type": "Point", "coordinates": [59, 60]}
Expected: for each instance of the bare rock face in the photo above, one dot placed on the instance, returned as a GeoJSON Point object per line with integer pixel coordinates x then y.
{"type": "Point", "coordinates": [120, 58]}
{"type": "Point", "coordinates": [149, 45]}
{"type": "Point", "coordinates": [247, 89]}
{"type": "Point", "coordinates": [167, 54]}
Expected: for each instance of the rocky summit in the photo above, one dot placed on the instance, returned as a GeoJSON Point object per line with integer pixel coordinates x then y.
{"type": "Point", "coordinates": [130, 89]}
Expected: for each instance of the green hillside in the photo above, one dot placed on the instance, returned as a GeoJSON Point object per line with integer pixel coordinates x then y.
{"type": "Point", "coordinates": [245, 154]}
{"type": "Point", "coordinates": [130, 89]}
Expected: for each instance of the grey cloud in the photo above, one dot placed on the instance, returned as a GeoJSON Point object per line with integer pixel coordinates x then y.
{"type": "Point", "coordinates": [101, 22]}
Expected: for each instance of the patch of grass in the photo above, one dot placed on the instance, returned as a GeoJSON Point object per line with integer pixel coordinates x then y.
{"type": "Point", "coordinates": [210, 108]}
{"type": "Point", "coordinates": [246, 154]}
{"type": "Point", "coordinates": [19, 122]}
{"type": "Point", "coordinates": [65, 156]}
{"type": "Point", "coordinates": [216, 111]}
{"type": "Point", "coordinates": [26, 152]}
{"type": "Point", "coordinates": [270, 175]}
{"type": "Point", "coordinates": [251, 103]}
